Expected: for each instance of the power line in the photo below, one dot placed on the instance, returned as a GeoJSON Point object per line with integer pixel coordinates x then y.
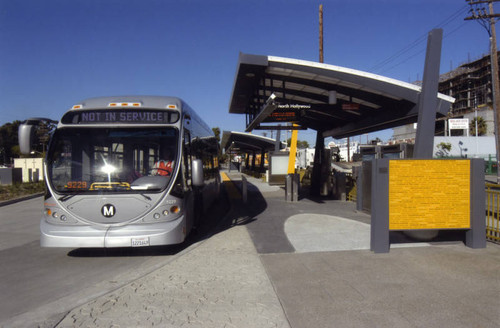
{"type": "Point", "coordinates": [417, 42]}
{"type": "Point", "coordinates": [420, 51]}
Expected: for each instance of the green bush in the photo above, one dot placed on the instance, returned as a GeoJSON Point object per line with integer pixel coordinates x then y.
{"type": "Point", "coordinates": [20, 189]}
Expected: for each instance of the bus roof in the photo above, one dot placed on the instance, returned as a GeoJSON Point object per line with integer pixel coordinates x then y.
{"type": "Point", "coordinates": [160, 102]}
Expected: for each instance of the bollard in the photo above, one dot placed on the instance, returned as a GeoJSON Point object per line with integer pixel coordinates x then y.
{"type": "Point", "coordinates": [288, 188]}
{"type": "Point", "coordinates": [292, 185]}
{"type": "Point", "coordinates": [295, 187]}
{"type": "Point", "coordinates": [340, 186]}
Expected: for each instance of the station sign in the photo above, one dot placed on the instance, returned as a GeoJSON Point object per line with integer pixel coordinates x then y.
{"type": "Point", "coordinates": [293, 112]}
{"type": "Point", "coordinates": [350, 106]}
{"type": "Point", "coordinates": [287, 113]}
{"type": "Point", "coordinates": [458, 123]}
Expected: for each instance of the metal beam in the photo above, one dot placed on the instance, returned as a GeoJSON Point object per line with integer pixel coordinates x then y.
{"type": "Point", "coordinates": [267, 109]}
{"type": "Point", "coordinates": [280, 127]}
{"type": "Point", "coordinates": [427, 104]}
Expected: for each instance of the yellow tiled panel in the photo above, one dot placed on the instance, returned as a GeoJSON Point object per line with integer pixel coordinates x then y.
{"type": "Point", "coordinates": [429, 194]}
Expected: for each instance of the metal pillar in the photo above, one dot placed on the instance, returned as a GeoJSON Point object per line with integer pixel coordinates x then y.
{"type": "Point", "coordinates": [318, 157]}
{"type": "Point", "coordinates": [427, 103]}
{"type": "Point", "coordinates": [262, 159]}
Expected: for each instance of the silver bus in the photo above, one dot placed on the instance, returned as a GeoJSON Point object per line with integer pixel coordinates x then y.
{"type": "Point", "coordinates": [125, 172]}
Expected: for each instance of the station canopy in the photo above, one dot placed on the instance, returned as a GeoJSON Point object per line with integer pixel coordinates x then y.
{"type": "Point", "coordinates": [246, 142]}
{"type": "Point", "coordinates": [336, 101]}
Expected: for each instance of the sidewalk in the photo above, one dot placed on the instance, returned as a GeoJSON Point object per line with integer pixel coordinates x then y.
{"type": "Point", "coordinates": [220, 282]}
{"type": "Point", "coordinates": [306, 264]}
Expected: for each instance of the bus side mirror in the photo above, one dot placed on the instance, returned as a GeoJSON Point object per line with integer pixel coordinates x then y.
{"type": "Point", "coordinates": [26, 135]}
{"type": "Point", "coordinates": [28, 130]}
{"type": "Point", "coordinates": [197, 176]}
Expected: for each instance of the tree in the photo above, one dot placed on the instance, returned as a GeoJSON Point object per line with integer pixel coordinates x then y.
{"type": "Point", "coordinates": [443, 149]}
{"type": "Point", "coordinates": [222, 157]}
{"type": "Point", "coordinates": [301, 144]}
{"type": "Point", "coordinates": [216, 131]}
{"type": "Point", "coordinates": [481, 127]}
{"type": "Point", "coordinates": [9, 142]}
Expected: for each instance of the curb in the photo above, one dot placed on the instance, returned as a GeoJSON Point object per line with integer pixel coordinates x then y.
{"type": "Point", "coordinates": [20, 199]}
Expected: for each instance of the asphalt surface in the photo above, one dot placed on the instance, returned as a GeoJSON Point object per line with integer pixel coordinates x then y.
{"type": "Point", "coordinates": [269, 263]}
{"type": "Point", "coordinates": [39, 286]}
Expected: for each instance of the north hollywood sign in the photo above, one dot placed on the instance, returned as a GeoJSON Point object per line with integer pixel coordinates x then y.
{"type": "Point", "coordinates": [293, 112]}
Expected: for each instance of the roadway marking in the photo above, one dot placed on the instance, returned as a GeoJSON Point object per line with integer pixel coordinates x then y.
{"type": "Point", "coordinates": [232, 190]}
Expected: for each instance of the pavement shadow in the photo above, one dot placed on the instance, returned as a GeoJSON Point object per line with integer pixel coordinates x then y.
{"type": "Point", "coordinates": [305, 193]}
{"type": "Point", "coordinates": [242, 213]}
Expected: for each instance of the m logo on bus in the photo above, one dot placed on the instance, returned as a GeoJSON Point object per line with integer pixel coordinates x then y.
{"type": "Point", "coordinates": [108, 210]}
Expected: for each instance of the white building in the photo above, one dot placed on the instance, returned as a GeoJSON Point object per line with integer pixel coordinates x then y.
{"type": "Point", "coordinates": [30, 166]}
{"type": "Point", "coordinates": [304, 158]}
{"type": "Point", "coordinates": [344, 154]}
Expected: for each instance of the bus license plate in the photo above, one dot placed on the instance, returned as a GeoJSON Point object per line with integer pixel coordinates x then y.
{"type": "Point", "coordinates": [138, 242]}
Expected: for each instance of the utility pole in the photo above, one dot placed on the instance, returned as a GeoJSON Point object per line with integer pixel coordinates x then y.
{"type": "Point", "coordinates": [321, 33]}
{"type": "Point", "coordinates": [488, 20]}
{"type": "Point", "coordinates": [320, 140]}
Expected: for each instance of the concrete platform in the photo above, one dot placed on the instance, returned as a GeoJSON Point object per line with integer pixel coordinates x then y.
{"type": "Point", "coordinates": [306, 264]}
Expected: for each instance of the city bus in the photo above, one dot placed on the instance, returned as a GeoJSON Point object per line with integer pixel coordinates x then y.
{"type": "Point", "coordinates": [125, 172]}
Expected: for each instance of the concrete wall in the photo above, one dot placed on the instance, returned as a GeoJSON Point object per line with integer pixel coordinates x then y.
{"type": "Point", "coordinates": [487, 115]}
{"type": "Point", "coordinates": [470, 147]}
{"type": "Point", "coordinates": [27, 164]}
{"type": "Point", "coordinates": [9, 176]}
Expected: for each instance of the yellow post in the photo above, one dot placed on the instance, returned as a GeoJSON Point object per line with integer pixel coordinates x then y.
{"type": "Point", "coordinates": [293, 151]}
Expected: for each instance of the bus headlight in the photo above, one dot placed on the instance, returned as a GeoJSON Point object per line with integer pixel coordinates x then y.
{"type": "Point", "coordinates": [164, 214]}
{"type": "Point", "coordinates": [58, 214]}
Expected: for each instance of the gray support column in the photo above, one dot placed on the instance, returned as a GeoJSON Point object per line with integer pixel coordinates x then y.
{"type": "Point", "coordinates": [318, 157]}
{"type": "Point", "coordinates": [253, 161]}
{"type": "Point", "coordinates": [379, 233]}
{"type": "Point", "coordinates": [262, 159]}
{"type": "Point", "coordinates": [277, 144]}
{"type": "Point", "coordinates": [427, 103]}
{"type": "Point", "coordinates": [359, 187]}
{"type": "Point", "coordinates": [476, 236]}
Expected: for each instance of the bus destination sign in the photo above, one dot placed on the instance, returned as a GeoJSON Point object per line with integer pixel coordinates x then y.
{"type": "Point", "coordinates": [121, 116]}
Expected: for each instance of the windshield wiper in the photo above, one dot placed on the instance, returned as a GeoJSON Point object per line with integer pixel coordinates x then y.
{"type": "Point", "coordinates": [68, 196]}
{"type": "Point", "coordinates": [145, 196]}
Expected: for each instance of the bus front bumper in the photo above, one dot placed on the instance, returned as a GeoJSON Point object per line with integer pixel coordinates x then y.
{"type": "Point", "coordinates": [131, 235]}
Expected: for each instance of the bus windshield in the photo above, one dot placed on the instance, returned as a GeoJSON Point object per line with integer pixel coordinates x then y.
{"type": "Point", "coordinates": [112, 160]}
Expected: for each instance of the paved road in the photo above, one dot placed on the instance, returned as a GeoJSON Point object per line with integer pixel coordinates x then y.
{"type": "Point", "coordinates": [40, 285]}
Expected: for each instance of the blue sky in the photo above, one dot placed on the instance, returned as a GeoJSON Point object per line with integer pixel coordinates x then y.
{"type": "Point", "coordinates": [55, 53]}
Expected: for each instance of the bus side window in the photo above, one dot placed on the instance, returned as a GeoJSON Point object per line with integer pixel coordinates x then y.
{"type": "Point", "coordinates": [187, 158]}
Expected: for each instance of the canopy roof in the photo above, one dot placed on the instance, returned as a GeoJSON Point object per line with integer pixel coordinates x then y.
{"type": "Point", "coordinates": [337, 101]}
{"type": "Point", "coordinates": [246, 142]}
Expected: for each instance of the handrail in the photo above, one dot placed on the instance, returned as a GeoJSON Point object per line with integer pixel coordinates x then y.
{"type": "Point", "coordinates": [493, 212]}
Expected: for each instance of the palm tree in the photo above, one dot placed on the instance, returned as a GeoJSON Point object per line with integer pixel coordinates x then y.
{"type": "Point", "coordinates": [481, 127]}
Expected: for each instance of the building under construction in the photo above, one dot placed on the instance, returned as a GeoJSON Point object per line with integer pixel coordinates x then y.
{"type": "Point", "coordinates": [470, 85]}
